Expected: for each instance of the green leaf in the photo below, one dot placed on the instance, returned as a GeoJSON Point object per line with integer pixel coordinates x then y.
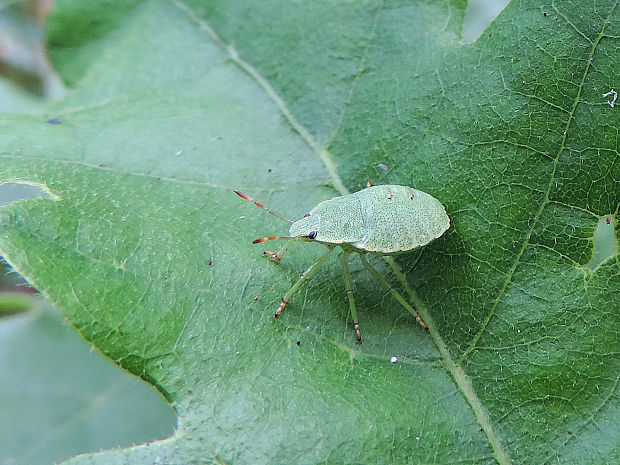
{"type": "Point", "coordinates": [148, 252]}
{"type": "Point", "coordinates": [60, 398]}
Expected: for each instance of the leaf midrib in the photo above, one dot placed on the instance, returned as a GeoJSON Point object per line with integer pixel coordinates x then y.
{"type": "Point", "coordinates": [456, 371]}
{"type": "Point", "coordinates": [453, 367]}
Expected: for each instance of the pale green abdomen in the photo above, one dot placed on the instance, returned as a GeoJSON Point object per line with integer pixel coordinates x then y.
{"type": "Point", "coordinates": [382, 219]}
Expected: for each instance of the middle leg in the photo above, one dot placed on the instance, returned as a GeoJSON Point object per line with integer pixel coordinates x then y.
{"type": "Point", "coordinates": [379, 277]}
{"type": "Point", "coordinates": [349, 283]}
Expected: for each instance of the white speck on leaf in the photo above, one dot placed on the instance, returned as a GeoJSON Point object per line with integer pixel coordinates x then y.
{"type": "Point", "coordinates": [614, 95]}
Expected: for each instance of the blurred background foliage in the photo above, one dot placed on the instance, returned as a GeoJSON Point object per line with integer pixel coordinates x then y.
{"type": "Point", "coordinates": [58, 396]}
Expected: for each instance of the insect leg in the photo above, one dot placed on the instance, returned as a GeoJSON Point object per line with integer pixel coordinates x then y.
{"type": "Point", "coordinates": [349, 283]}
{"type": "Point", "coordinates": [304, 277]}
{"type": "Point", "coordinates": [379, 277]}
{"type": "Point", "coordinates": [277, 256]}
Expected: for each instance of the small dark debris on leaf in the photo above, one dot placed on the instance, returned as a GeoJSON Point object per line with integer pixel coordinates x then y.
{"type": "Point", "coordinates": [269, 170]}
{"type": "Point", "coordinates": [544, 14]}
{"type": "Point", "coordinates": [298, 343]}
{"type": "Point", "coordinates": [210, 262]}
{"type": "Point", "coordinates": [608, 220]}
{"type": "Point", "coordinates": [256, 297]}
{"type": "Point", "coordinates": [54, 121]}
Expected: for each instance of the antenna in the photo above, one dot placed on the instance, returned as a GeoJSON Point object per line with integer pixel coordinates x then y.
{"type": "Point", "coordinates": [260, 205]}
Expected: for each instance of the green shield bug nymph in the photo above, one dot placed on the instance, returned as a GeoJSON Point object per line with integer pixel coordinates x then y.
{"type": "Point", "coordinates": [381, 220]}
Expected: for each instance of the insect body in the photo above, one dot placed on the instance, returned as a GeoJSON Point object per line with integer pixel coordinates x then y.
{"type": "Point", "coordinates": [382, 220]}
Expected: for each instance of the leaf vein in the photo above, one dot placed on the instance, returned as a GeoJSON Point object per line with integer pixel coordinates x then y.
{"type": "Point", "coordinates": [546, 198]}
{"type": "Point", "coordinates": [321, 152]}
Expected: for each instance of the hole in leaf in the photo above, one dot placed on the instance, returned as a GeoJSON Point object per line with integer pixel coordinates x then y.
{"type": "Point", "coordinates": [605, 245]}
{"type": "Point", "coordinates": [478, 17]}
{"type": "Point", "coordinates": [14, 191]}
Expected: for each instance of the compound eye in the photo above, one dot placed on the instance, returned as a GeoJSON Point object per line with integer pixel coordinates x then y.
{"type": "Point", "coordinates": [312, 235]}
